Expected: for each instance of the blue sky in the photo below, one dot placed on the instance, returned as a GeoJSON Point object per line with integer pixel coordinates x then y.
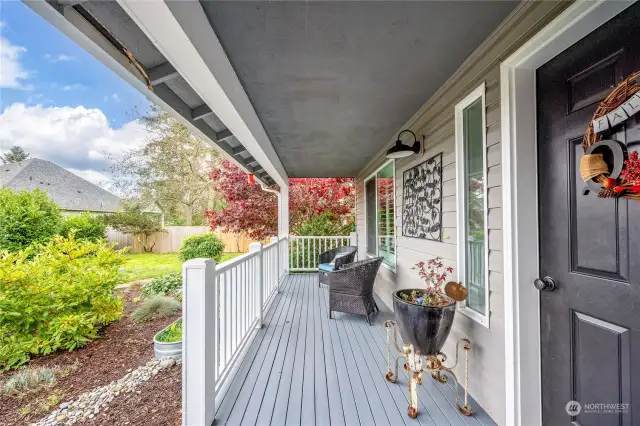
{"type": "Point", "coordinates": [46, 79]}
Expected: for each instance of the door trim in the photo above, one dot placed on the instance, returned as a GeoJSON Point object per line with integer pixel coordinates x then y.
{"type": "Point", "coordinates": [520, 199]}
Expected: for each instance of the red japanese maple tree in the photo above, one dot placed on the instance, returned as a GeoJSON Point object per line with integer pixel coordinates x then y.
{"type": "Point", "coordinates": [249, 208]}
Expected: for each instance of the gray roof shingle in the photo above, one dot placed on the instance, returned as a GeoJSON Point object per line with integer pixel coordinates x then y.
{"type": "Point", "coordinates": [69, 191]}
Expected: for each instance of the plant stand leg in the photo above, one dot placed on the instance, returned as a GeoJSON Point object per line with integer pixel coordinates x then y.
{"type": "Point", "coordinates": [414, 367]}
{"type": "Point", "coordinates": [414, 379]}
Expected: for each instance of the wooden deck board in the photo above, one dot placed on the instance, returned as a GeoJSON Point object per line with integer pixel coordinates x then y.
{"type": "Point", "coordinates": [304, 369]}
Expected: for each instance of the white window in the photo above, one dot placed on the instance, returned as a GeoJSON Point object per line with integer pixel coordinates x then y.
{"type": "Point", "coordinates": [379, 190]}
{"type": "Point", "coordinates": [472, 213]}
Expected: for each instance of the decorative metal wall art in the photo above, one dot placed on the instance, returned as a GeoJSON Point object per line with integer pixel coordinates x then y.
{"type": "Point", "coordinates": [606, 166]}
{"type": "Point", "coordinates": [422, 200]}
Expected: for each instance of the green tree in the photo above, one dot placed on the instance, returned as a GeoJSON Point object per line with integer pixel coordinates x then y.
{"type": "Point", "coordinates": [171, 170]}
{"type": "Point", "coordinates": [84, 226]}
{"type": "Point", "coordinates": [27, 217]}
{"type": "Point", "coordinates": [14, 155]}
{"type": "Point", "coordinates": [133, 221]}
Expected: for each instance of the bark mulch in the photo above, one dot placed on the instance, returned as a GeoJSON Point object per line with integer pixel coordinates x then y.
{"type": "Point", "coordinates": [157, 402]}
{"type": "Point", "coordinates": [122, 346]}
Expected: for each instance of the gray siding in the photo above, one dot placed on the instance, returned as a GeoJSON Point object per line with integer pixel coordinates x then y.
{"type": "Point", "coordinates": [435, 120]}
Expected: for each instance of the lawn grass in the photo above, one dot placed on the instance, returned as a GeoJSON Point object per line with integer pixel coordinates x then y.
{"type": "Point", "coordinates": [140, 266]}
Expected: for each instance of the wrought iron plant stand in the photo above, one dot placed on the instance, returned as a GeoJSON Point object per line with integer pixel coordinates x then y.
{"type": "Point", "coordinates": [416, 364]}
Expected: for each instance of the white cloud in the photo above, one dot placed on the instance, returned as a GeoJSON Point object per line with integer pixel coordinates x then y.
{"type": "Point", "coordinates": [78, 139]}
{"type": "Point", "coordinates": [58, 58]}
{"type": "Point", "coordinates": [12, 73]}
{"type": "Point", "coordinates": [113, 97]}
{"type": "Point", "coordinates": [76, 86]}
{"type": "Point", "coordinates": [97, 178]}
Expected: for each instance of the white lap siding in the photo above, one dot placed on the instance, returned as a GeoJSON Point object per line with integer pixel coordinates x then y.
{"type": "Point", "coordinates": [435, 120]}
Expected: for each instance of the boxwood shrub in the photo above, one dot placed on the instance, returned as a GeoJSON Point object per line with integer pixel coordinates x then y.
{"type": "Point", "coordinates": [204, 245]}
{"type": "Point", "coordinates": [85, 226]}
{"type": "Point", "coordinates": [55, 296]}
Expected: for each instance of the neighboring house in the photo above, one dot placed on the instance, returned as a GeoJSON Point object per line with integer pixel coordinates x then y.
{"type": "Point", "coordinates": [72, 193]}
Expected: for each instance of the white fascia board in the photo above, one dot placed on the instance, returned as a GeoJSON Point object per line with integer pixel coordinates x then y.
{"type": "Point", "coordinates": [110, 57]}
{"type": "Point", "coordinates": [183, 34]}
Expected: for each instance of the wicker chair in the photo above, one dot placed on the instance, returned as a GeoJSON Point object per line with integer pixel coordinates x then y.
{"type": "Point", "coordinates": [351, 288]}
{"type": "Point", "coordinates": [324, 269]}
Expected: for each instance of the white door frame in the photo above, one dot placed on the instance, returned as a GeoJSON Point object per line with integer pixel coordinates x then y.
{"type": "Point", "coordinates": [520, 200]}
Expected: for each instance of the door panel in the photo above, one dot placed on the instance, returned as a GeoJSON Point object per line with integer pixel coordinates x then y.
{"type": "Point", "coordinates": [590, 325]}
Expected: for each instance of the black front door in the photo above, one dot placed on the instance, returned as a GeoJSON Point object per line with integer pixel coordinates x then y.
{"type": "Point", "coordinates": [590, 246]}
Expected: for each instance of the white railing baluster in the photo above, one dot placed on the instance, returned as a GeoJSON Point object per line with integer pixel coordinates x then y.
{"type": "Point", "coordinates": [304, 251]}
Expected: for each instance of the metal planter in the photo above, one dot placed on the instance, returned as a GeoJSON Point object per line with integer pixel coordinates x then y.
{"type": "Point", "coordinates": [425, 327]}
{"type": "Point", "coordinates": [163, 350]}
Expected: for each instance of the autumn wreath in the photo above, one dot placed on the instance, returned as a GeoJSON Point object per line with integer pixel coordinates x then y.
{"type": "Point", "coordinates": [620, 175]}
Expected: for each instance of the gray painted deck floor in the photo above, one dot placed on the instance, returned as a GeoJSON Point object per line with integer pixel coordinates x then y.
{"type": "Point", "coordinates": [304, 369]}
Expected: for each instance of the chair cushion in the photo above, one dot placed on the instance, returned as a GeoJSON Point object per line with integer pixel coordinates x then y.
{"type": "Point", "coordinates": [326, 267]}
{"type": "Point", "coordinates": [338, 256]}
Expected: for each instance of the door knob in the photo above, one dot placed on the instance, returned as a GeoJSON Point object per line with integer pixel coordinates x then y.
{"type": "Point", "coordinates": [545, 284]}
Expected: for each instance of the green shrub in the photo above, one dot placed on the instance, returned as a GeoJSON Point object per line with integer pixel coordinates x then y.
{"type": "Point", "coordinates": [156, 307]}
{"type": "Point", "coordinates": [55, 296]}
{"type": "Point", "coordinates": [166, 285]}
{"type": "Point", "coordinates": [172, 334]}
{"type": "Point", "coordinates": [29, 378]}
{"type": "Point", "coordinates": [26, 217]}
{"type": "Point", "coordinates": [204, 245]}
{"type": "Point", "coordinates": [85, 226]}
{"type": "Point", "coordinates": [324, 224]}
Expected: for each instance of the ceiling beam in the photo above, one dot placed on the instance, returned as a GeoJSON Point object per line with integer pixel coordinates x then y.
{"type": "Point", "coordinates": [201, 112]}
{"type": "Point", "coordinates": [239, 150]}
{"type": "Point", "coordinates": [162, 73]}
{"type": "Point", "coordinates": [223, 135]}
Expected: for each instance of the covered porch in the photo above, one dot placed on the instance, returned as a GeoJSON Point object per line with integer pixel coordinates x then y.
{"type": "Point", "coordinates": [303, 368]}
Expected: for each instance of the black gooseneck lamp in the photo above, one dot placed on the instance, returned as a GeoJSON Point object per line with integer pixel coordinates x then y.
{"type": "Point", "coordinates": [400, 150]}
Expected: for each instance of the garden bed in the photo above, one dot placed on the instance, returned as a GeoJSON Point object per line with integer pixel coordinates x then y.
{"type": "Point", "coordinates": [122, 346]}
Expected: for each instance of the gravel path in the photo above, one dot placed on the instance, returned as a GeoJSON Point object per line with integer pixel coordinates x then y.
{"type": "Point", "coordinates": [89, 404]}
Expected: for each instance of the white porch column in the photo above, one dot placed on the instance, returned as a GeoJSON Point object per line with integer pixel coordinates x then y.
{"type": "Point", "coordinates": [283, 222]}
{"type": "Point", "coordinates": [199, 304]}
{"type": "Point", "coordinates": [257, 247]}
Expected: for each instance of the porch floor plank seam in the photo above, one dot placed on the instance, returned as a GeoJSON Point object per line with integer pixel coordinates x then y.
{"type": "Point", "coordinates": [304, 369]}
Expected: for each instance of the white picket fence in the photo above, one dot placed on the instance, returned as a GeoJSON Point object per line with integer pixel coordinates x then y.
{"type": "Point", "coordinates": [222, 306]}
{"type": "Point", "coordinates": [305, 251]}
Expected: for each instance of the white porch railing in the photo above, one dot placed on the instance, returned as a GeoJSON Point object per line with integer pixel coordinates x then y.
{"type": "Point", "coordinates": [222, 306]}
{"type": "Point", "coordinates": [304, 251]}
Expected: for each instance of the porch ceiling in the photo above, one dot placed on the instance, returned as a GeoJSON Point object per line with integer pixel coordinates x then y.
{"type": "Point", "coordinates": [333, 81]}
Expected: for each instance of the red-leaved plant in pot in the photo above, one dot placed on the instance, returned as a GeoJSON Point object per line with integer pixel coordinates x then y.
{"type": "Point", "coordinates": [424, 315]}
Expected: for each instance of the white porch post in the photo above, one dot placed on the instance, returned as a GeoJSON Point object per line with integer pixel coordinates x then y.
{"type": "Point", "coordinates": [257, 247]}
{"type": "Point", "coordinates": [283, 221]}
{"type": "Point", "coordinates": [199, 304]}
{"type": "Point", "coordinates": [276, 240]}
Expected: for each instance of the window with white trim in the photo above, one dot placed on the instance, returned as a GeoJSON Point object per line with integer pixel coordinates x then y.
{"type": "Point", "coordinates": [472, 212]}
{"type": "Point", "coordinates": [380, 214]}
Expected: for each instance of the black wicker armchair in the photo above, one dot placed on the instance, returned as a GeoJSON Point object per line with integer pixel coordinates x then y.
{"type": "Point", "coordinates": [324, 268]}
{"type": "Point", "coordinates": [351, 288]}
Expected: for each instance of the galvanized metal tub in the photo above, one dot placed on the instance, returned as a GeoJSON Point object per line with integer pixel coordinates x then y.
{"type": "Point", "coordinates": [164, 350]}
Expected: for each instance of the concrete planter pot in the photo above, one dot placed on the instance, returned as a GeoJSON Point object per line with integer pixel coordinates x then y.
{"type": "Point", "coordinates": [165, 350]}
{"type": "Point", "coordinates": [426, 327]}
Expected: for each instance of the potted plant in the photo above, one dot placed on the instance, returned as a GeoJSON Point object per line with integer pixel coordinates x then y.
{"type": "Point", "coordinates": [424, 315]}
{"type": "Point", "coordinates": [167, 343]}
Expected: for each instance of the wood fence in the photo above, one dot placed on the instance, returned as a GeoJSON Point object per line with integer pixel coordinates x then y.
{"type": "Point", "coordinates": [171, 241]}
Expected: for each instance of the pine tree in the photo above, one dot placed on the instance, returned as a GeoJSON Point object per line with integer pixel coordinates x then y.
{"type": "Point", "coordinates": [15, 155]}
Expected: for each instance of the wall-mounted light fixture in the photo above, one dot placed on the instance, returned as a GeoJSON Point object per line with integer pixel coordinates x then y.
{"type": "Point", "coordinates": [400, 150]}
